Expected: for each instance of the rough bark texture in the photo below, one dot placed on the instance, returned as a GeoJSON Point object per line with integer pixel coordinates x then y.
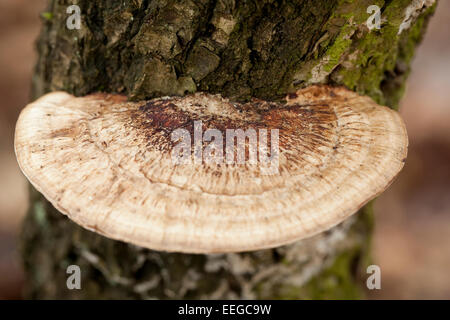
{"type": "Point", "coordinates": [241, 49]}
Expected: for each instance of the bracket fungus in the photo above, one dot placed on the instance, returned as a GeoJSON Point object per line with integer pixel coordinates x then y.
{"type": "Point", "coordinates": [108, 164]}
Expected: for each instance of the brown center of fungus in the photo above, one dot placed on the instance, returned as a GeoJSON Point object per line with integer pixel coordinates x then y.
{"type": "Point", "coordinates": [109, 165]}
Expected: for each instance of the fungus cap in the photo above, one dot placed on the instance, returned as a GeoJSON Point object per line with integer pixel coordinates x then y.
{"type": "Point", "coordinates": [107, 164]}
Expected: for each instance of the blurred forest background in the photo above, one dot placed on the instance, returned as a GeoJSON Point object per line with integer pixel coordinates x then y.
{"type": "Point", "coordinates": [412, 238]}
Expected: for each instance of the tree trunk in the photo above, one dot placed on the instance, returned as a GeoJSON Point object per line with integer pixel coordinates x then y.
{"type": "Point", "coordinates": [241, 49]}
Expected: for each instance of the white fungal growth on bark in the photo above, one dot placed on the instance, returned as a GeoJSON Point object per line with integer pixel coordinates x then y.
{"type": "Point", "coordinates": [412, 12]}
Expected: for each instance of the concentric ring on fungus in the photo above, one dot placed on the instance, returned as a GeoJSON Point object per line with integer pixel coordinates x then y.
{"type": "Point", "coordinates": [106, 163]}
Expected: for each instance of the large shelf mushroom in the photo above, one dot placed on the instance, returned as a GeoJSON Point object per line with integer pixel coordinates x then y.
{"type": "Point", "coordinates": [107, 164]}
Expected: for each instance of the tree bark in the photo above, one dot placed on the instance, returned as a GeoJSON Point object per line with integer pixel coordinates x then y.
{"type": "Point", "coordinates": [241, 49]}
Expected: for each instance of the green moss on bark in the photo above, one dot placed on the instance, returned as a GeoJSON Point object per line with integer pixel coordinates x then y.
{"type": "Point", "coordinates": [376, 63]}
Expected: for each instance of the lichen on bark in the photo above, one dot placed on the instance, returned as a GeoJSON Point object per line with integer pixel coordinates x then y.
{"type": "Point", "coordinates": [258, 48]}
